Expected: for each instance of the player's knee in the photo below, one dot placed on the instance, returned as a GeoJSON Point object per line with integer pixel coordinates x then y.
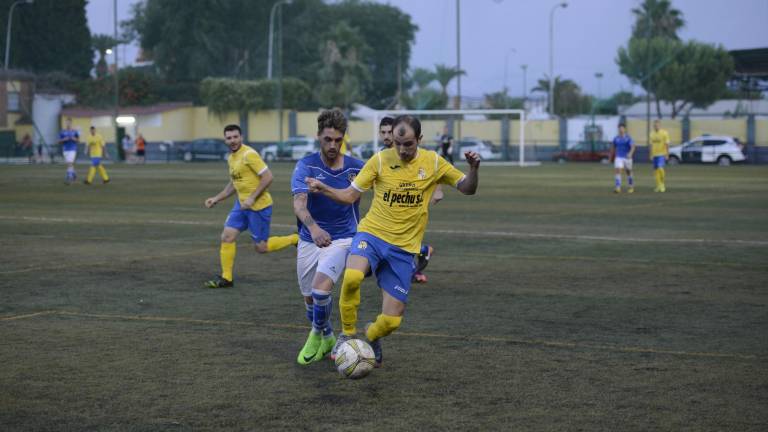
{"type": "Point", "coordinates": [227, 237]}
{"type": "Point", "coordinates": [353, 278]}
{"type": "Point", "coordinates": [261, 247]}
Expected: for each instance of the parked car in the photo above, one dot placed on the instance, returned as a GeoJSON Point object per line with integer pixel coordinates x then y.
{"type": "Point", "coordinates": [366, 150]}
{"type": "Point", "coordinates": [203, 149]}
{"type": "Point", "coordinates": [599, 151]}
{"type": "Point", "coordinates": [294, 148]}
{"type": "Point", "coordinates": [482, 147]}
{"type": "Point", "coordinates": [723, 150]}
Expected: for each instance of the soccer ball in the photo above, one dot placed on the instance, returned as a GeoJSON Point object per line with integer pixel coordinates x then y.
{"type": "Point", "coordinates": [354, 359]}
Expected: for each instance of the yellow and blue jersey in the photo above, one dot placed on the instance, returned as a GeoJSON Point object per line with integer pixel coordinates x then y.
{"type": "Point", "coordinates": [402, 191]}
{"type": "Point", "coordinates": [95, 145]}
{"type": "Point", "coordinates": [245, 170]}
{"type": "Point", "coordinates": [338, 220]}
{"type": "Point", "coordinates": [659, 142]}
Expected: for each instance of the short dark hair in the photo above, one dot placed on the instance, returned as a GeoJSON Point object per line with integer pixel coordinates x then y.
{"type": "Point", "coordinates": [333, 119]}
{"type": "Point", "coordinates": [622, 125]}
{"type": "Point", "coordinates": [386, 121]}
{"type": "Point", "coordinates": [232, 127]}
{"type": "Point", "coordinates": [411, 121]}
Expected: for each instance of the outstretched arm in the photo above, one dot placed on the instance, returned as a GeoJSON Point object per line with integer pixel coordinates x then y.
{"type": "Point", "coordinates": [468, 186]}
{"type": "Point", "coordinates": [343, 196]}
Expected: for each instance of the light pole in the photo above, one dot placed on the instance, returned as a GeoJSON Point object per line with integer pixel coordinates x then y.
{"type": "Point", "coordinates": [525, 84]}
{"type": "Point", "coordinates": [272, 33]}
{"type": "Point", "coordinates": [551, 55]}
{"type": "Point", "coordinates": [506, 70]}
{"type": "Point", "coordinates": [599, 75]}
{"type": "Point", "coordinates": [8, 35]}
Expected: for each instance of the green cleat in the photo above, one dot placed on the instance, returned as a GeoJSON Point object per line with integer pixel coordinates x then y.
{"type": "Point", "coordinates": [309, 352]}
{"type": "Point", "coordinates": [326, 346]}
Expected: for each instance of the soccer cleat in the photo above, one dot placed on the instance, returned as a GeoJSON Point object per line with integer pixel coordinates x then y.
{"type": "Point", "coordinates": [326, 346]}
{"type": "Point", "coordinates": [340, 340]}
{"type": "Point", "coordinates": [617, 190]}
{"type": "Point", "coordinates": [419, 277]}
{"type": "Point", "coordinates": [105, 181]}
{"type": "Point", "coordinates": [86, 182]}
{"type": "Point", "coordinates": [219, 282]}
{"type": "Point", "coordinates": [662, 189]}
{"type": "Point", "coordinates": [376, 345]}
{"type": "Point", "coordinates": [657, 189]}
{"type": "Point", "coordinates": [308, 353]}
{"type": "Point", "coordinates": [631, 190]}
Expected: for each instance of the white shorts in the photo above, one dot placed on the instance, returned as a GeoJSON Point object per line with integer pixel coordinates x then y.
{"type": "Point", "coordinates": [620, 162]}
{"type": "Point", "coordinates": [329, 260]}
{"type": "Point", "coordinates": [70, 156]}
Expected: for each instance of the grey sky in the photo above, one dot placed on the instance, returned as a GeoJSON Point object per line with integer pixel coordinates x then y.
{"type": "Point", "coordinates": [588, 34]}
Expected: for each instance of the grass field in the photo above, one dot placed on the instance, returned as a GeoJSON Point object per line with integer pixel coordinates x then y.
{"type": "Point", "coordinates": [552, 304]}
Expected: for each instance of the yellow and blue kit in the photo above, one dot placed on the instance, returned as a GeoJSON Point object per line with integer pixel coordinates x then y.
{"type": "Point", "coordinates": [245, 170]}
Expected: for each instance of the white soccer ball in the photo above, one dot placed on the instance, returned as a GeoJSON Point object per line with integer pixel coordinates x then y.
{"type": "Point", "coordinates": [355, 359]}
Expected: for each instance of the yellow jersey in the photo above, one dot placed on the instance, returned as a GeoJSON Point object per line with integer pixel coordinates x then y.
{"type": "Point", "coordinates": [659, 142]}
{"type": "Point", "coordinates": [402, 190]}
{"type": "Point", "coordinates": [245, 170]}
{"type": "Point", "coordinates": [95, 145]}
{"type": "Point", "coordinates": [344, 144]}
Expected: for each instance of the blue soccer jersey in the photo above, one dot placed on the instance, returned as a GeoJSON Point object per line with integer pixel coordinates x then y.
{"type": "Point", "coordinates": [70, 138]}
{"type": "Point", "coordinates": [339, 220]}
{"type": "Point", "coordinates": [623, 144]}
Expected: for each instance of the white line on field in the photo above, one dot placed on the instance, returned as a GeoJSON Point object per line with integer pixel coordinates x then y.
{"type": "Point", "coordinates": [491, 234]}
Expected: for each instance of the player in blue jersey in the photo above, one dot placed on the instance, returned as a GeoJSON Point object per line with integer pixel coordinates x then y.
{"type": "Point", "coordinates": [622, 151]}
{"type": "Point", "coordinates": [326, 229]}
{"type": "Point", "coordinates": [69, 138]}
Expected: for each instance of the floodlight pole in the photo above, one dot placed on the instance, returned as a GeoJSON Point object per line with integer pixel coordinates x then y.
{"type": "Point", "coordinates": [271, 37]}
{"type": "Point", "coordinates": [506, 75]}
{"type": "Point", "coordinates": [525, 84]}
{"type": "Point", "coordinates": [8, 33]}
{"type": "Point", "coordinates": [551, 56]}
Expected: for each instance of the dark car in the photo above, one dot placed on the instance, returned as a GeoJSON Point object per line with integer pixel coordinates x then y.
{"type": "Point", "coordinates": [585, 151]}
{"type": "Point", "coordinates": [203, 149]}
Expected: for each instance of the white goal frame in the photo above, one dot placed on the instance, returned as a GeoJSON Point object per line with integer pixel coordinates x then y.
{"type": "Point", "coordinates": [377, 115]}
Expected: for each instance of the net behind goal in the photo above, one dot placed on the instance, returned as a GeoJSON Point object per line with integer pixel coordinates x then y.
{"type": "Point", "coordinates": [496, 134]}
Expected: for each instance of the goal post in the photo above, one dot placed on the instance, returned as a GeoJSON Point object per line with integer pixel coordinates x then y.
{"type": "Point", "coordinates": [493, 125]}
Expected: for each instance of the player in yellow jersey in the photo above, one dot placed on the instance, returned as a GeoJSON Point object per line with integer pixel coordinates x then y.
{"type": "Point", "coordinates": [403, 179]}
{"type": "Point", "coordinates": [249, 178]}
{"type": "Point", "coordinates": [659, 154]}
{"type": "Point", "coordinates": [94, 145]}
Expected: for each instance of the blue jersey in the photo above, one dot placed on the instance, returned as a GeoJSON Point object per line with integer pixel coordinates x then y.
{"type": "Point", "coordinates": [623, 144]}
{"type": "Point", "coordinates": [339, 220]}
{"type": "Point", "coordinates": [70, 138]}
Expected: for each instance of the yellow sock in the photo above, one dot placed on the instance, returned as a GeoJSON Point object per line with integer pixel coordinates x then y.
{"type": "Point", "coordinates": [227, 253]}
{"type": "Point", "coordinates": [349, 300]}
{"type": "Point", "coordinates": [91, 174]}
{"type": "Point", "coordinates": [103, 173]}
{"type": "Point", "coordinates": [662, 177]}
{"type": "Point", "coordinates": [384, 325]}
{"type": "Point", "coordinates": [275, 243]}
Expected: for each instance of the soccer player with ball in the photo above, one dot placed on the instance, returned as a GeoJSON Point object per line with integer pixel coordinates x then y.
{"type": "Point", "coordinates": [326, 229]}
{"type": "Point", "coordinates": [403, 179]}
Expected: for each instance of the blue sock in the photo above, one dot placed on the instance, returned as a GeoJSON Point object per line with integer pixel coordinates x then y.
{"type": "Point", "coordinates": [629, 180]}
{"type": "Point", "coordinates": [618, 180]}
{"type": "Point", "coordinates": [310, 312]}
{"type": "Point", "coordinates": [323, 306]}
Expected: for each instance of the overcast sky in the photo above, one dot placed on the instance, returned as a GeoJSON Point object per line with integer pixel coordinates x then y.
{"type": "Point", "coordinates": [587, 36]}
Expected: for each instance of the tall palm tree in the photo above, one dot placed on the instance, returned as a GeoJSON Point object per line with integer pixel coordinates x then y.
{"type": "Point", "coordinates": [657, 18]}
{"type": "Point", "coordinates": [102, 43]}
{"type": "Point", "coordinates": [422, 77]}
{"type": "Point", "coordinates": [445, 74]}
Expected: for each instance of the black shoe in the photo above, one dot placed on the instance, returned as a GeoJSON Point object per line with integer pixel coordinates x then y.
{"type": "Point", "coordinates": [219, 282]}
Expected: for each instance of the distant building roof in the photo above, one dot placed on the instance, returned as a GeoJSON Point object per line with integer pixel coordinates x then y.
{"type": "Point", "coordinates": [721, 108]}
{"type": "Point", "coordinates": [751, 62]}
{"type": "Point", "coordinates": [77, 111]}
{"type": "Point", "coordinates": [14, 74]}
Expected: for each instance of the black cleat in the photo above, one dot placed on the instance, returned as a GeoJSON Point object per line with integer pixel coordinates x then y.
{"type": "Point", "coordinates": [219, 282]}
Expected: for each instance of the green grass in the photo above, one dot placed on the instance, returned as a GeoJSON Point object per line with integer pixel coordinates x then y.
{"type": "Point", "coordinates": [552, 304]}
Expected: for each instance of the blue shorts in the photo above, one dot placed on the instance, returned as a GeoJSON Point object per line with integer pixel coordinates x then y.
{"type": "Point", "coordinates": [257, 222]}
{"type": "Point", "coordinates": [95, 161]}
{"type": "Point", "coordinates": [392, 266]}
{"type": "Point", "coordinates": [658, 162]}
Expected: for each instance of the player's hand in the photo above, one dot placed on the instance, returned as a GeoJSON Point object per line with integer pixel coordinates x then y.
{"type": "Point", "coordinates": [210, 202]}
{"type": "Point", "coordinates": [314, 184]}
{"type": "Point", "coordinates": [437, 196]}
{"type": "Point", "coordinates": [248, 202]}
{"type": "Point", "coordinates": [473, 159]}
{"type": "Point", "coordinates": [320, 237]}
